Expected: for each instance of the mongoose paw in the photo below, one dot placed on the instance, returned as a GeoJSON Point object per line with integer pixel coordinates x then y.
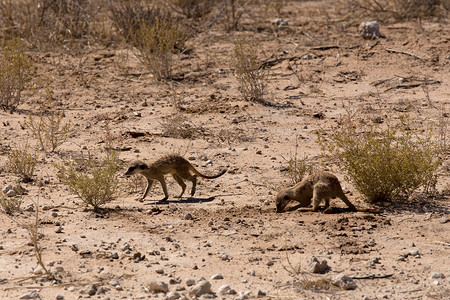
{"type": "Point", "coordinates": [140, 199]}
{"type": "Point", "coordinates": [328, 210]}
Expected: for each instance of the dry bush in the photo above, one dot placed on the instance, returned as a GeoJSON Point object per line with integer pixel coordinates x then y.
{"type": "Point", "coordinates": [48, 127]}
{"type": "Point", "coordinates": [298, 168]}
{"type": "Point", "coordinates": [94, 183]}
{"type": "Point", "coordinates": [157, 44]}
{"type": "Point", "coordinates": [178, 126]}
{"type": "Point", "coordinates": [128, 16]}
{"type": "Point", "coordinates": [22, 163]}
{"type": "Point", "coordinates": [49, 130]}
{"type": "Point", "coordinates": [396, 9]}
{"type": "Point", "coordinates": [194, 9]}
{"type": "Point", "coordinates": [251, 77]}
{"type": "Point", "coordinates": [46, 23]}
{"type": "Point", "coordinates": [15, 74]}
{"type": "Point", "coordinates": [9, 205]}
{"type": "Point", "coordinates": [383, 164]}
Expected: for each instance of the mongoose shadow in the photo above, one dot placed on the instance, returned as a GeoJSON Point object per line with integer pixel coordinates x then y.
{"type": "Point", "coordinates": [188, 200]}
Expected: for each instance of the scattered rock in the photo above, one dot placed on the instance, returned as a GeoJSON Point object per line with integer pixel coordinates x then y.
{"type": "Point", "coordinates": [279, 22]}
{"type": "Point", "coordinates": [217, 276]}
{"type": "Point", "coordinates": [190, 282]}
{"type": "Point", "coordinates": [159, 287]}
{"type": "Point", "coordinates": [344, 282]}
{"type": "Point", "coordinates": [38, 270]}
{"type": "Point", "coordinates": [201, 288]}
{"type": "Point", "coordinates": [436, 275]}
{"type": "Point", "coordinates": [31, 295]}
{"type": "Point", "coordinates": [316, 266]}
{"type": "Point", "coordinates": [224, 290]}
{"type": "Point", "coordinates": [90, 289]}
{"type": "Point", "coordinates": [172, 296]}
{"type": "Point", "coordinates": [369, 30]}
{"type": "Point", "coordinates": [7, 188]}
{"type": "Point", "coordinates": [59, 297]}
{"type": "Point", "coordinates": [188, 216]}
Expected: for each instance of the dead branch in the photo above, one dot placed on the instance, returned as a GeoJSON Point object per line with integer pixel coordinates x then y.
{"type": "Point", "coordinates": [373, 276]}
{"type": "Point", "coordinates": [406, 53]}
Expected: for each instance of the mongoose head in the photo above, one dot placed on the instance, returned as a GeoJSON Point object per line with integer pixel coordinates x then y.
{"type": "Point", "coordinates": [283, 198]}
{"type": "Point", "coordinates": [136, 168]}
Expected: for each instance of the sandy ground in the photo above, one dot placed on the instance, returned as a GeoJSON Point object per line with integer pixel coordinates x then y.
{"type": "Point", "coordinates": [230, 227]}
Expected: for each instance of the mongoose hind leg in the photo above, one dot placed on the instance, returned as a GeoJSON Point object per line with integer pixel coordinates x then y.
{"type": "Point", "coordinates": [192, 178]}
{"type": "Point", "coordinates": [180, 181]}
{"type": "Point", "coordinates": [321, 192]}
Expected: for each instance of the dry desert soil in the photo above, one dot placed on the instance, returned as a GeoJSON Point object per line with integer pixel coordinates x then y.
{"type": "Point", "coordinates": [229, 233]}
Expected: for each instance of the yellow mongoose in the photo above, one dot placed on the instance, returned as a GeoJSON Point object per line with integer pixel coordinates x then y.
{"type": "Point", "coordinates": [316, 187]}
{"type": "Point", "coordinates": [175, 165]}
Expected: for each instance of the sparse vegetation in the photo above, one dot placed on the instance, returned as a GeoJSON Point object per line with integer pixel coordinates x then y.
{"type": "Point", "coordinates": [94, 183]}
{"type": "Point", "coordinates": [251, 77]}
{"type": "Point", "coordinates": [10, 205]}
{"type": "Point", "coordinates": [22, 163]}
{"type": "Point", "coordinates": [194, 9]}
{"type": "Point", "coordinates": [33, 231]}
{"type": "Point", "coordinates": [48, 23]}
{"type": "Point", "coordinates": [15, 74]}
{"type": "Point", "coordinates": [157, 44]}
{"type": "Point", "coordinates": [397, 10]}
{"type": "Point", "coordinates": [298, 167]}
{"type": "Point", "coordinates": [48, 127]}
{"type": "Point", "coordinates": [384, 164]}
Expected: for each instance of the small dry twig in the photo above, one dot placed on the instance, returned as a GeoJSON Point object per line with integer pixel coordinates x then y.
{"type": "Point", "coordinates": [406, 53]}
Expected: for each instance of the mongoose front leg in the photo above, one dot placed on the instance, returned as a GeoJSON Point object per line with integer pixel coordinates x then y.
{"type": "Point", "coordinates": [149, 185]}
{"type": "Point", "coordinates": [164, 186]}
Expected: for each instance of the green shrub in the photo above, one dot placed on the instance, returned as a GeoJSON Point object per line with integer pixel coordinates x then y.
{"type": "Point", "coordinates": [94, 183]}
{"type": "Point", "coordinates": [22, 163]}
{"type": "Point", "coordinates": [15, 74]}
{"type": "Point", "coordinates": [247, 69]}
{"type": "Point", "coordinates": [383, 164]}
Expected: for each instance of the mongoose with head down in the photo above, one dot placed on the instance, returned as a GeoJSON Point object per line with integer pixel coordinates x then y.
{"type": "Point", "coordinates": [174, 165]}
{"type": "Point", "coordinates": [314, 188]}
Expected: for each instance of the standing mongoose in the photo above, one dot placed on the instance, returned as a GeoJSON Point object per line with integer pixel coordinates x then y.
{"type": "Point", "coordinates": [316, 187]}
{"type": "Point", "coordinates": [174, 165]}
